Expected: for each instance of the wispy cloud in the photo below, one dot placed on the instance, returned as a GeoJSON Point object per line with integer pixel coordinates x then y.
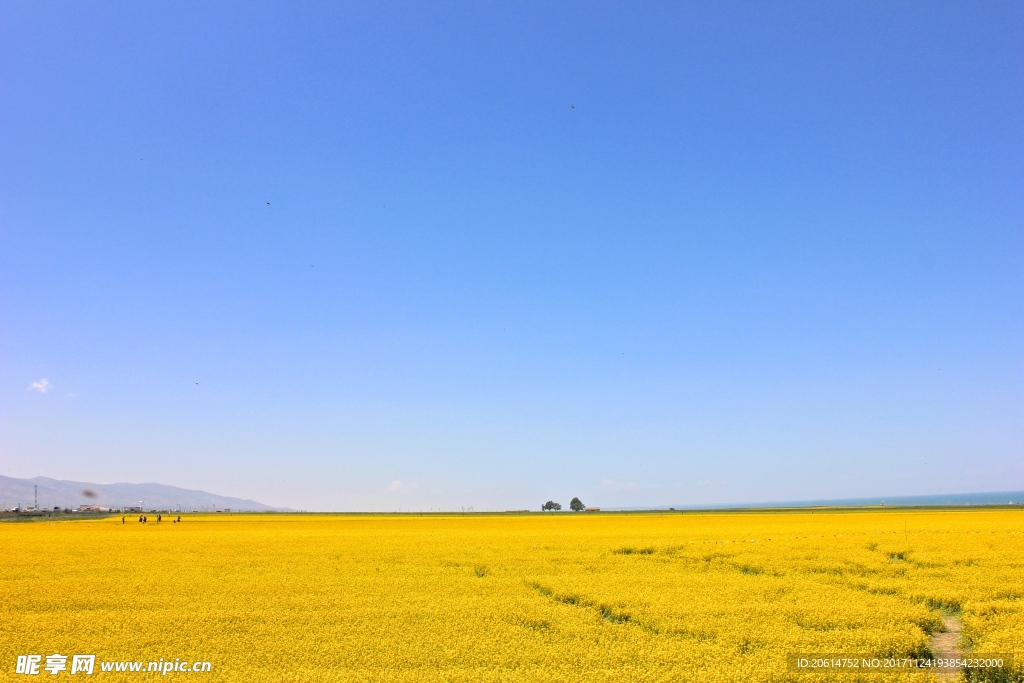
{"type": "Point", "coordinates": [42, 386]}
{"type": "Point", "coordinates": [617, 486]}
{"type": "Point", "coordinates": [71, 394]}
{"type": "Point", "coordinates": [398, 486]}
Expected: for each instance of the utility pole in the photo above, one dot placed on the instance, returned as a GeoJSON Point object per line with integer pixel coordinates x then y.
{"type": "Point", "coordinates": [36, 487]}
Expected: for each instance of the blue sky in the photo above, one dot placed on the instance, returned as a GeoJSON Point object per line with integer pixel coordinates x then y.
{"type": "Point", "coordinates": [437, 255]}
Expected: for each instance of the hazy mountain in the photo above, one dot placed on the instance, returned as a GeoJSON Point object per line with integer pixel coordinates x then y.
{"type": "Point", "coordinates": [57, 493]}
{"type": "Point", "coordinates": [938, 499]}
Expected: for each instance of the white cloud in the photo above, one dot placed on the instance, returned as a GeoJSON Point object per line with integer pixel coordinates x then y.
{"type": "Point", "coordinates": [41, 386]}
{"type": "Point", "coordinates": [398, 486]}
{"type": "Point", "coordinates": [617, 486]}
{"type": "Point", "coordinates": [71, 394]}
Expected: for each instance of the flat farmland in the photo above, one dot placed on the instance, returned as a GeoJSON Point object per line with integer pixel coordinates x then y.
{"type": "Point", "coordinates": [717, 596]}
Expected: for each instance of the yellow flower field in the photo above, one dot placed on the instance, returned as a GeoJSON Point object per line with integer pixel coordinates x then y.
{"type": "Point", "coordinates": [722, 596]}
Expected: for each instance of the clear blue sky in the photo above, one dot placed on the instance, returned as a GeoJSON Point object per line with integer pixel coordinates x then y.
{"type": "Point", "coordinates": [435, 255]}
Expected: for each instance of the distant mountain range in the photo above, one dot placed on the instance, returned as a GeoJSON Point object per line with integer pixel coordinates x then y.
{"type": "Point", "coordinates": [941, 499]}
{"type": "Point", "coordinates": [70, 494]}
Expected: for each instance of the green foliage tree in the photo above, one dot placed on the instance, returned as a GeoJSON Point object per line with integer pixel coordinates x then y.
{"type": "Point", "coordinates": [576, 505]}
{"type": "Point", "coordinates": [551, 505]}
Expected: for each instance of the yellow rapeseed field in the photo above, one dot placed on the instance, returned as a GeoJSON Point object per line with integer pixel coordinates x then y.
{"type": "Point", "coordinates": [723, 596]}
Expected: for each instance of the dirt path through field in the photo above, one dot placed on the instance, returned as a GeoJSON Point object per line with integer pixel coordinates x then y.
{"type": "Point", "coordinates": [945, 645]}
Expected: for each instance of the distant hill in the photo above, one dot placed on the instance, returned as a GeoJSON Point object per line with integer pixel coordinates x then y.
{"type": "Point", "coordinates": [71, 494]}
{"type": "Point", "coordinates": [941, 499]}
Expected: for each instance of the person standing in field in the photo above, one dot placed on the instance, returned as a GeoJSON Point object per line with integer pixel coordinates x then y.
{"type": "Point", "coordinates": [122, 520]}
